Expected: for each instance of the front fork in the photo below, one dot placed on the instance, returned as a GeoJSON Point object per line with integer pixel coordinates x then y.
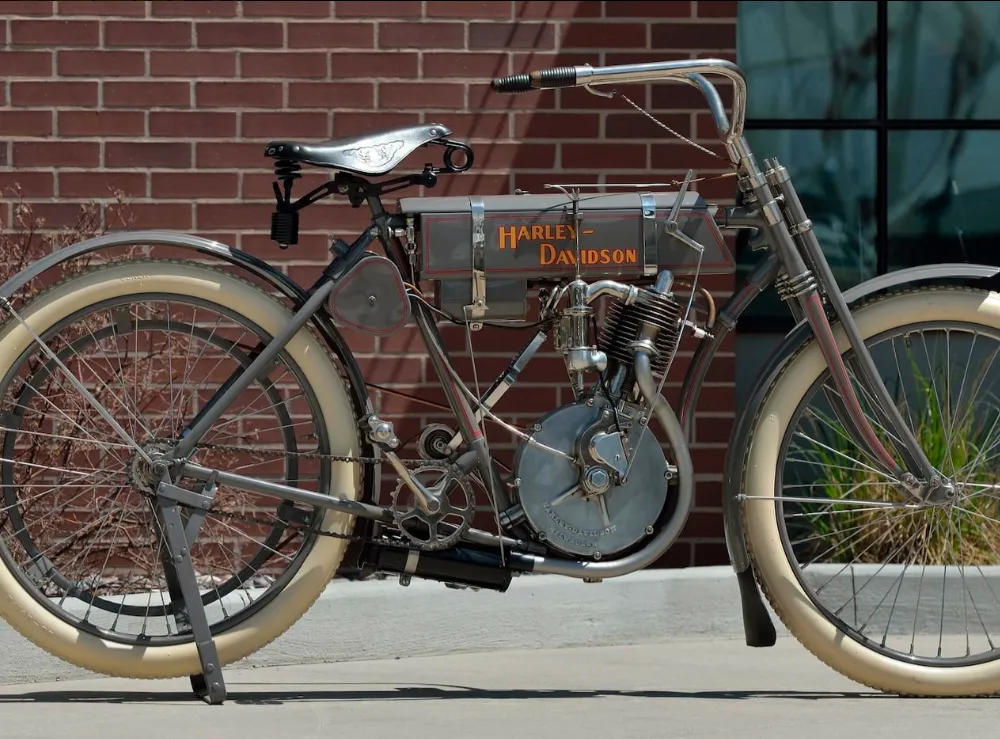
{"type": "Point", "coordinates": [790, 233]}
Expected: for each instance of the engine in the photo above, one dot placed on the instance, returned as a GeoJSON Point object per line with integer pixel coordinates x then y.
{"type": "Point", "coordinates": [593, 479]}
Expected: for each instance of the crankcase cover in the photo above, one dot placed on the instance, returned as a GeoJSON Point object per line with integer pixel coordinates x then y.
{"type": "Point", "coordinates": [579, 524]}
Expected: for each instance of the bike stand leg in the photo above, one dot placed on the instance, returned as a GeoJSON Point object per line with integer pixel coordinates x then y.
{"type": "Point", "coordinates": [182, 585]}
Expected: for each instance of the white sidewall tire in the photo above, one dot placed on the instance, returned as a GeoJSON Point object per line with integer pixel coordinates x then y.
{"type": "Point", "coordinates": [778, 580]}
{"type": "Point", "coordinates": [20, 609]}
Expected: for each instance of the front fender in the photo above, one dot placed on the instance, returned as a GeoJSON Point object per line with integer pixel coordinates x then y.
{"type": "Point", "coordinates": [250, 264]}
{"type": "Point", "coordinates": [756, 622]}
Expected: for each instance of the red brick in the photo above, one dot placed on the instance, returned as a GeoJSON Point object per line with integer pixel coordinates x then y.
{"type": "Point", "coordinates": [188, 64]}
{"type": "Point", "coordinates": [239, 35]}
{"type": "Point", "coordinates": [280, 64]}
{"type": "Point", "coordinates": [490, 126]}
{"type": "Point", "coordinates": [330, 95]}
{"type": "Point", "coordinates": [62, 215]}
{"type": "Point", "coordinates": [96, 7]}
{"type": "Point", "coordinates": [143, 34]}
{"type": "Point", "coordinates": [694, 35]}
{"type": "Point", "coordinates": [373, 65]}
{"type": "Point", "coordinates": [101, 123]}
{"type": "Point", "coordinates": [285, 125]}
{"type": "Point", "coordinates": [53, 93]}
{"type": "Point", "coordinates": [31, 184]}
{"type": "Point", "coordinates": [287, 9]}
{"type": "Point", "coordinates": [351, 124]}
{"type": "Point", "coordinates": [711, 553]}
{"type": "Point", "coordinates": [238, 94]}
{"type": "Point", "coordinates": [682, 156]}
{"type": "Point", "coordinates": [311, 247]}
{"type": "Point", "coordinates": [195, 185]}
{"type": "Point", "coordinates": [713, 430]}
{"type": "Point", "coordinates": [474, 183]}
{"type": "Point", "coordinates": [101, 63]}
{"type": "Point", "coordinates": [550, 9]}
{"type": "Point", "coordinates": [190, 123]}
{"type": "Point", "coordinates": [579, 99]}
{"type": "Point", "coordinates": [16, 8]}
{"type": "Point", "coordinates": [146, 94]}
{"type": "Point", "coordinates": [604, 36]}
{"type": "Point", "coordinates": [56, 154]}
{"type": "Point", "coordinates": [715, 8]}
{"type": "Point", "coordinates": [512, 36]}
{"type": "Point", "coordinates": [202, 8]}
{"type": "Point", "coordinates": [644, 57]}
{"type": "Point", "coordinates": [521, 62]}
{"type": "Point", "coordinates": [557, 125]}
{"type": "Point", "coordinates": [633, 125]}
{"type": "Point", "coordinates": [381, 9]}
{"type": "Point", "coordinates": [331, 35]}
{"type": "Point", "coordinates": [24, 123]}
{"type": "Point", "coordinates": [650, 9]}
{"type": "Point", "coordinates": [51, 33]}
{"type": "Point", "coordinates": [421, 96]}
{"type": "Point", "coordinates": [609, 156]}
{"type": "Point", "coordinates": [536, 182]}
{"type": "Point", "coordinates": [172, 216]}
{"type": "Point", "coordinates": [145, 154]}
{"type": "Point", "coordinates": [502, 156]}
{"type": "Point", "coordinates": [427, 35]}
{"type": "Point", "coordinates": [258, 185]}
{"type": "Point", "coordinates": [485, 9]}
{"type": "Point", "coordinates": [685, 97]}
{"type": "Point", "coordinates": [217, 155]}
{"type": "Point", "coordinates": [101, 184]}
{"type": "Point", "coordinates": [464, 64]}
{"type": "Point", "coordinates": [397, 370]}
{"type": "Point", "coordinates": [26, 63]}
{"type": "Point", "coordinates": [246, 216]}
{"type": "Point", "coordinates": [481, 97]}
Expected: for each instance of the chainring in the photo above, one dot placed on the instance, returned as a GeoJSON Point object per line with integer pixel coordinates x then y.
{"type": "Point", "coordinates": [428, 530]}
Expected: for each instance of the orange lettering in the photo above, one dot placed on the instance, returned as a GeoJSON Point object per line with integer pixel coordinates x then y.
{"type": "Point", "coordinates": [547, 254]}
{"type": "Point", "coordinates": [561, 232]}
{"type": "Point", "coordinates": [523, 233]}
{"type": "Point", "coordinates": [605, 256]}
{"type": "Point", "coordinates": [538, 232]}
{"type": "Point", "coordinates": [632, 256]}
{"type": "Point", "coordinates": [508, 235]}
{"type": "Point", "coordinates": [565, 257]}
{"type": "Point", "coordinates": [617, 256]}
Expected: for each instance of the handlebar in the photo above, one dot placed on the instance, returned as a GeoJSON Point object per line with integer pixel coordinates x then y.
{"type": "Point", "coordinates": [691, 71]}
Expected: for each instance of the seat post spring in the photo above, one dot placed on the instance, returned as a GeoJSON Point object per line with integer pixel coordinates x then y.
{"type": "Point", "coordinates": [285, 219]}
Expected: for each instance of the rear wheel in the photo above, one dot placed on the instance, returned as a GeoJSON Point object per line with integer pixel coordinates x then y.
{"type": "Point", "coordinates": [80, 547]}
{"type": "Point", "coordinates": [902, 597]}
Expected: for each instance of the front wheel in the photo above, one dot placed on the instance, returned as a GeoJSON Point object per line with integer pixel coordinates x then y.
{"type": "Point", "coordinates": [902, 597]}
{"type": "Point", "coordinates": [81, 547]}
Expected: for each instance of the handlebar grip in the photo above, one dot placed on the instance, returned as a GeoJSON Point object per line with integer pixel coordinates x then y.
{"type": "Point", "coordinates": [546, 78]}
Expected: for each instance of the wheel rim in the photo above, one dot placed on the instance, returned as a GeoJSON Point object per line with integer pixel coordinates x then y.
{"type": "Point", "coordinates": [917, 584]}
{"type": "Point", "coordinates": [206, 328]}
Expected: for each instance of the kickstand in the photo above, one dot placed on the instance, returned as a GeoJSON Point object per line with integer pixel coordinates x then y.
{"type": "Point", "coordinates": [185, 598]}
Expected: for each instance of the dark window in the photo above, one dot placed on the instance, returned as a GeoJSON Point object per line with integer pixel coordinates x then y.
{"type": "Point", "coordinates": [887, 116]}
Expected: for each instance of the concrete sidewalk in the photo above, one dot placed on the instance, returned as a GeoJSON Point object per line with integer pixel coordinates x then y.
{"type": "Point", "coordinates": [379, 619]}
{"type": "Point", "coordinates": [689, 688]}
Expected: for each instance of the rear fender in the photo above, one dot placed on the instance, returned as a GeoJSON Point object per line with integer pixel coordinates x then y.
{"type": "Point", "coordinates": [247, 263]}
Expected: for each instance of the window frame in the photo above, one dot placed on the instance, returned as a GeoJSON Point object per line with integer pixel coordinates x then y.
{"type": "Point", "coordinates": [882, 125]}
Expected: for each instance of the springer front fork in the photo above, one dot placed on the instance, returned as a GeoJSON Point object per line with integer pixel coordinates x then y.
{"type": "Point", "coordinates": [806, 279]}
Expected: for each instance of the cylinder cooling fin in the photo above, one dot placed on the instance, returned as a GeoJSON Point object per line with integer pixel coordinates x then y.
{"type": "Point", "coordinates": [623, 322]}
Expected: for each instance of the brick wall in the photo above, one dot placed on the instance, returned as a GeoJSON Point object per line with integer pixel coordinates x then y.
{"type": "Point", "coordinates": [173, 101]}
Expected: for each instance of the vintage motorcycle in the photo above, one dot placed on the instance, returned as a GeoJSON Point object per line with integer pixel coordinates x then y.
{"type": "Point", "coordinates": [190, 451]}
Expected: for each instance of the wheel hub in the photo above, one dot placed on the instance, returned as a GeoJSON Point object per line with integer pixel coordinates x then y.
{"type": "Point", "coordinates": [145, 475]}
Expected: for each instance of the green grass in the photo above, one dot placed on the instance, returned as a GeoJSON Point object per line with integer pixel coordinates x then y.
{"type": "Point", "coordinates": [935, 535]}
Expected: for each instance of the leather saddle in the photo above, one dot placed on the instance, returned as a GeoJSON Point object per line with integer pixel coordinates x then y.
{"type": "Point", "coordinates": [370, 154]}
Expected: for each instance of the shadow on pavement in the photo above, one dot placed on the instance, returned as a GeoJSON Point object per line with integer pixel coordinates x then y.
{"type": "Point", "coordinates": [277, 694]}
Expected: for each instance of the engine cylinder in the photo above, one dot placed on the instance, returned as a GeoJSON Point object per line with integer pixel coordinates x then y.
{"type": "Point", "coordinates": [623, 322]}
